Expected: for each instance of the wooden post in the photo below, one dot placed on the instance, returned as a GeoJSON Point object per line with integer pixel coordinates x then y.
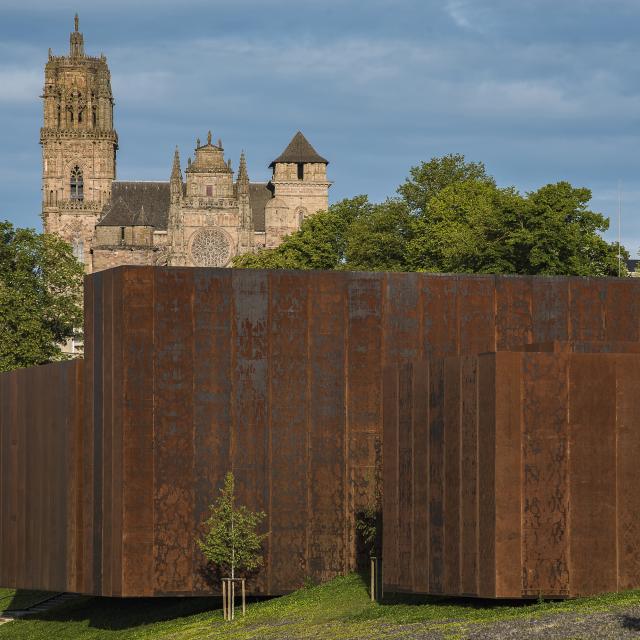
{"type": "Point", "coordinates": [233, 599]}
{"type": "Point", "coordinates": [244, 600]}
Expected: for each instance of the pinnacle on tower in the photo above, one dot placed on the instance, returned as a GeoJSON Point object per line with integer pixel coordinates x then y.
{"type": "Point", "coordinates": [242, 170]}
{"type": "Point", "coordinates": [176, 173]}
{"type": "Point", "coordinates": [76, 41]}
{"type": "Point", "coordinates": [209, 137]}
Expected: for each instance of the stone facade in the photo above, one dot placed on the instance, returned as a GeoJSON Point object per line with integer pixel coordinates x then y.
{"type": "Point", "coordinates": [203, 219]}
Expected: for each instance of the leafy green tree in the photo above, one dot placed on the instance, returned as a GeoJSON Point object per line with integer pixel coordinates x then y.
{"type": "Point", "coordinates": [450, 217]}
{"type": "Point", "coordinates": [428, 179]}
{"type": "Point", "coordinates": [231, 540]}
{"type": "Point", "coordinates": [321, 242]}
{"type": "Point", "coordinates": [40, 297]}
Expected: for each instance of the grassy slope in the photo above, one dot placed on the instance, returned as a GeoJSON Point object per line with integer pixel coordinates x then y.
{"type": "Point", "coordinates": [12, 600]}
{"type": "Point", "coordinates": [339, 609]}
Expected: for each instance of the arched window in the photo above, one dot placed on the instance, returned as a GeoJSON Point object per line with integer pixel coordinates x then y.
{"type": "Point", "coordinates": [77, 184]}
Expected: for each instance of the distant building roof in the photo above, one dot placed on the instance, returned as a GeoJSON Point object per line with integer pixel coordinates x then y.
{"type": "Point", "coordinates": [135, 204]}
{"type": "Point", "coordinates": [299, 150]}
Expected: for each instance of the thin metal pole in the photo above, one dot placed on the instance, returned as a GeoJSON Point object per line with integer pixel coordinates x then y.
{"type": "Point", "coordinates": [244, 601]}
{"type": "Point", "coordinates": [619, 226]}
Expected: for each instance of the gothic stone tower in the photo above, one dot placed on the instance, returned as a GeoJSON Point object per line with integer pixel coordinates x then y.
{"type": "Point", "coordinates": [300, 189]}
{"type": "Point", "coordinates": [79, 145]}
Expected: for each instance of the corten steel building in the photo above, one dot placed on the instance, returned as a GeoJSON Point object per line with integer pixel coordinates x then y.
{"type": "Point", "coordinates": [108, 464]}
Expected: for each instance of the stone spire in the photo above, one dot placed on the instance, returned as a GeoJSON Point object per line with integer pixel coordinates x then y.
{"type": "Point", "coordinates": [243, 176]}
{"type": "Point", "coordinates": [76, 42]}
{"type": "Point", "coordinates": [176, 178]}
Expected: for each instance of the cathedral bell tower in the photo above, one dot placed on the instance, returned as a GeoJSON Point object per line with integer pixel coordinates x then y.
{"type": "Point", "coordinates": [79, 145]}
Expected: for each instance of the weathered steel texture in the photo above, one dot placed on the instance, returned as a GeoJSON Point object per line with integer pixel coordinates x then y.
{"type": "Point", "coordinates": [41, 511]}
{"type": "Point", "coordinates": [278, 376]}
{"type": "Point", "coordinates": [535, 453]}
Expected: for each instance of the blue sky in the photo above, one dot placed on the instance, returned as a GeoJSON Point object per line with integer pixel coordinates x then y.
{"type": "Point", "coordinates": [540, 91]}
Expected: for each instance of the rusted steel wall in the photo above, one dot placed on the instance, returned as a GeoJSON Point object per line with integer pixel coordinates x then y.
{"type": "Point", "coordinates": [41, 511]}
{"type": "Point", "coordinates": [532, 487]}
{"type": "Point", "coordinates": [278, 376]}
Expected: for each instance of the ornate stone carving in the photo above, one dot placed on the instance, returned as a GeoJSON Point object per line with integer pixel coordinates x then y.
{"type": "Point", "coordinates": [211, 247]}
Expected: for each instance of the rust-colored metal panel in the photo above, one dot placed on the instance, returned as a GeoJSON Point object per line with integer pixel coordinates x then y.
{"type": "Point", "coordinates": [107, 392]}
{"type": "Point", "coordinates": [420, 476]}
{"type": "Point", "coordinates": [288, 452]}
{"type": "Point", "coordinates": [545, 467]}
{"type": "Point", "coordinates": [592, 474]}
{"type": "Point", "coordinates": [514, 319]}
{"type": "Point", "coordinates": [364, 347]}
{"type": "Point", "coordinates": [212, 308]}
{"type": "Point", "coordinates": [550, 309]}
{"type": "Point", "coordinates": [452, 471]}
{"type": "Point", "coordinates": [487, 465]}
{"type": "Point", "coordinates": [436, 476]}
{"type": "Point", "coordinates": [174, 523]}
{"type": "Point", "coordinates": [469, 475]}
{"type": "Point", "coordinates": [250, 439]}
{"type": "Point", "coordinates": [505, 388]}
{"type": "Point", "coordinates": [439, 294]}
{"type": "Point", "coordinates": [622, 326]}
{"type": "Point", "coordinates": [587, 309]}
{"type": "Point", "coordinates": [391, 480]}
{"type": "Point", "coordinates": [87, 584]}
{"type": "Point", "coordinates": [329, 524]}
{"type": "Point", "coordinates": [137, 432]}
{"type": "Point", "coordinates": [476, 314]}
{"type": "Point", "coordinates": [405, 471]}
{"type": "Point", "coordinates": [628, 470]}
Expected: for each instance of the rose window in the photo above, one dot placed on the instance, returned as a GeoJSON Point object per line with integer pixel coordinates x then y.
{"type": "Point", "coordinates": [211, 248]}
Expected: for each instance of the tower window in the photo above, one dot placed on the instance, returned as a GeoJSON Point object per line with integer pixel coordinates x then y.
{"type": "Point", "coordinates": [78, 249]}
{"type": "Point", "coordinates": [77, 184]}
{"type": "Point", "coordinates": [209, 191]}
{"type": "Point", "coordinates": [300, 171]}
{"type": "Point", "coordinates": [121, 235]}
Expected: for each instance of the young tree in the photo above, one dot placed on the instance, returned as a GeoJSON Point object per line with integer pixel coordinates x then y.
{"type": "Point", "coordinates": [40, 297]}
{"type": "Point", "coordinates": [231, 539]}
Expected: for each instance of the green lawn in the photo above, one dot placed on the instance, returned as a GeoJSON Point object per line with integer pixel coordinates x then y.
{"type": "Point", "coordinates": [338, 610]}
{"type": "Point", "coordinates": [12, 600]}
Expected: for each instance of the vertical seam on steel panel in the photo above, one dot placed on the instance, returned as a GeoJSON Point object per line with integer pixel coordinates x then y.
{"type": "Point", "coordinates": [477, 476]}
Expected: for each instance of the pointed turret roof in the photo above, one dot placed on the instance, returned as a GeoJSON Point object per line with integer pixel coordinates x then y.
{"type": "Point", "coordinates": [299, 150]}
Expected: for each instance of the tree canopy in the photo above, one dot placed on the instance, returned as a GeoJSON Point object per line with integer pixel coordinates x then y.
{"type": "Point", "coordinates": [40, 297]}
{"type": "Point", "coordinates": [451, 217]}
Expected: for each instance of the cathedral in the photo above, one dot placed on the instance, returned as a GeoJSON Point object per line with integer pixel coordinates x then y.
{"type": "Point", "coordinates": [203, 217]}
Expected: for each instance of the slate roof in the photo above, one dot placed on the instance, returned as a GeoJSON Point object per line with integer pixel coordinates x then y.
{"type": "Point", "coordinates": [137, 204]}
{"type": "Point", "coordinates": [147, 204]}
{"type": "Point", "coordinates": [259, 195]}
{"type": "Point", "coordinates": [299, 150]}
